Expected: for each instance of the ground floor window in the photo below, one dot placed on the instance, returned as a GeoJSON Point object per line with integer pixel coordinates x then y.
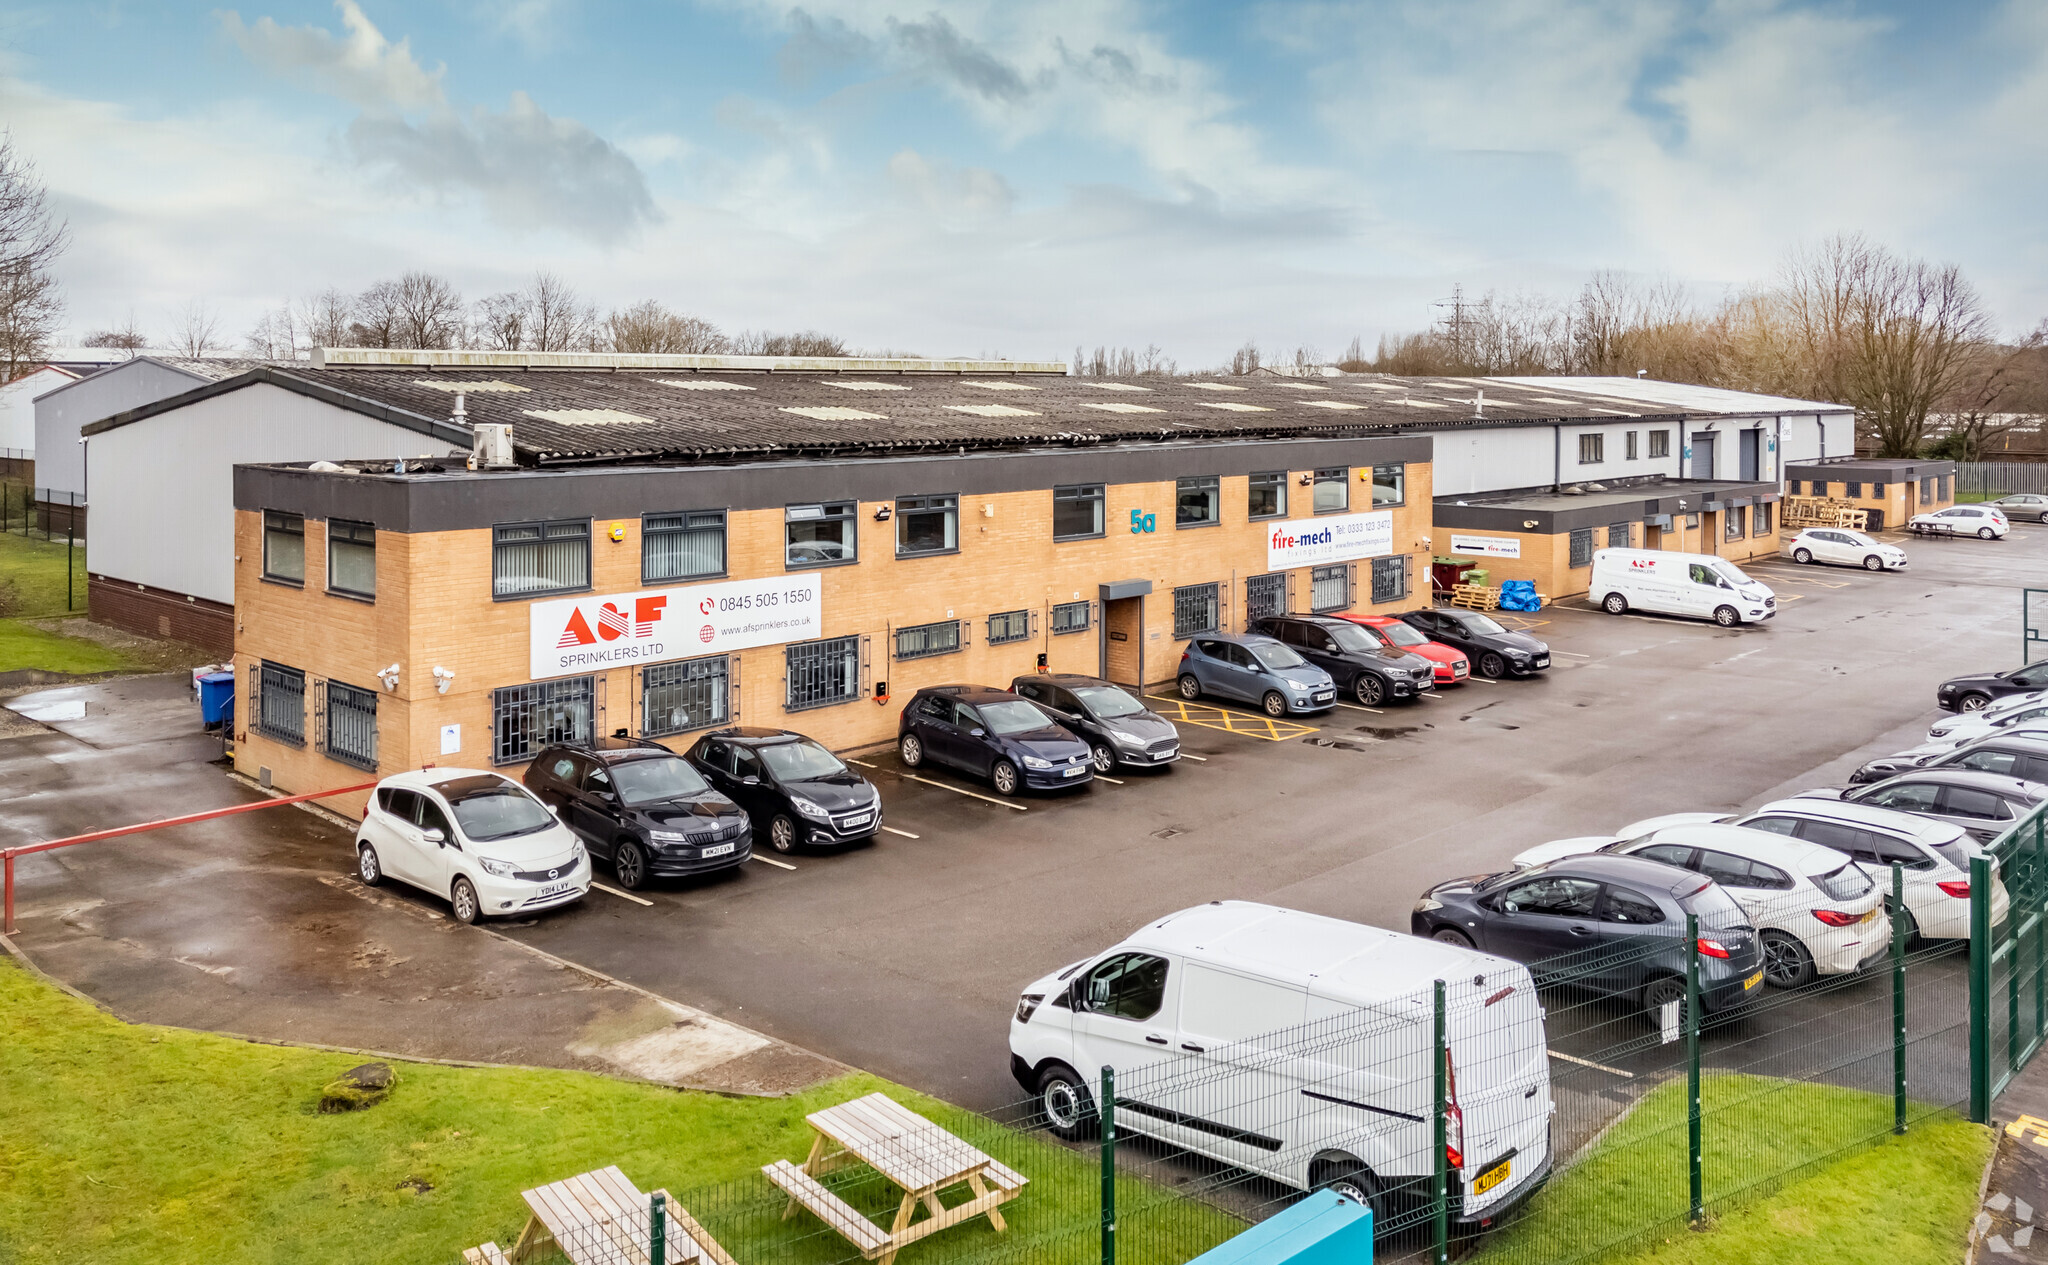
{"type": "Point", "coordinates": [1390, 578]}
{"type": "Point", "coordinates": [1265, 595]}
{"type": "Point", "coordinates": [1853, 491]}
{"type": "Point", "coordinates": [280, 710]}
{"type": "Point", "coordinates": [1735, 522]}
{"type": "Point", "coordinates": [693, 694]}
{"type": "Point", "coordinates": [1194, 610]}
{"type": "Point", "coordinates": [351, 725]}
{"type": "Point", "coordinates": [1071, 617]}
{"type": "Point", "coordinates": [1329, 588]}
{"type": "Point", "coordinates": [1008, 626]}
{"type": "Point", "coordinates": [1760, 522]}
{"type": "Point", "coordinates": [1581, 547]}
{"type": "Point", "coordinates": [1618, 535]}
{"type": "Point", "coordinates": [922, 641]}
{"type": "Point", "coordinates": [525, 718]}
{"type": "Point", "coordinates": [822, 672]}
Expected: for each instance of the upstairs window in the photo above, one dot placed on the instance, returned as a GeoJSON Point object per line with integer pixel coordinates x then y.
{"type": "Point", "coordinates": [1077, 512]}
{"type": "Point", "coordinates": [532, 559]}
{"type": "Point", "coordinates": [1268, 494]}
{"type": "Point", "coordinates": [1660, 443]}
{"type": "Point", "coordinates": [819, 535]}
{"type": "Point", "coordinates": [284, 547]}
{"type": "Point", "coordinates": [685, 546]}
{"type": "Point", "coordinates": [1389, 485]}
{"type": "Point", "coordinates": [1198, 502]}
{"type": "Point", "coordinates": [351, 558]}
{"type": "Point", "coordinates": [1333, 490]}
{"type": "Point", "coordinates": [927, 524]}
{"type": "Point", "coordinates": [1592, 449]}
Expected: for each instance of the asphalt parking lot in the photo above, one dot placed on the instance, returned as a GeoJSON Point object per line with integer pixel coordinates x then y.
{"type": "Point", "coordinates": [905, 956]}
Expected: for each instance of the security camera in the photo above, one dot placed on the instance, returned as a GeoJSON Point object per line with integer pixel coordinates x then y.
{"type": "Point", "coordinates": [443, 678]}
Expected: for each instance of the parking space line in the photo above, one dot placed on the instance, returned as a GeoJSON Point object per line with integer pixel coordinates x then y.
{"type": "Point", "coordinates": [1360, 707]}
{"type": "Point", "coordinates": [1185, 756]}
{"type": "Point", "coordinates": [621, 895]}
{"type": "Point", "coordinates": [862, 763]}
{"type": "Point", "coordinates": [1479, 680]}
{"type": "Point", "coordinates": [1571, 655]}
{"type": "Point", "coordinates": [970, 794]}
{"type": "Point", "coordinates": [905, 833]}
{"type": "Point", "coordinates": [781, 865]}
{"type": "Point", "coordinates": [1598, 1067]}
{"type": "Point", "coordinates": [1236, 722]}
{"type": "Point", "coordinates": [1430, 696]}
{"type": "Point", "coordinates": [1104, 777]}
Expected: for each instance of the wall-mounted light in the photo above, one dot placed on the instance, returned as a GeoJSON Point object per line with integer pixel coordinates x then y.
{"type": "Point", "coordinates": [883, 513]}
{"type": "Point", "coordinates": [1307, 479]}
{"type": "Point", "coordinates": [443, 678]}
{"type": "Point", "coordinates": [1529, 524]}
{"type": "Point", "coordinates": [389, 677]}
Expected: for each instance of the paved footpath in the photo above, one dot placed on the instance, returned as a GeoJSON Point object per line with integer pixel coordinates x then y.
{"type": "Point", "coordinates": [2012, 1224]}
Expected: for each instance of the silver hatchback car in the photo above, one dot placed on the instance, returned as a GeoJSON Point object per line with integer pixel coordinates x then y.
{"type": "Point", "coordinates": [1254, 669]}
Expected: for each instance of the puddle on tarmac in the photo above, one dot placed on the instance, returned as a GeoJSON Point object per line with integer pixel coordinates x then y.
{"type": "Point", "coordinates": [1340, 744]}
{"type": "Point", "coordinates": [1384, 732]}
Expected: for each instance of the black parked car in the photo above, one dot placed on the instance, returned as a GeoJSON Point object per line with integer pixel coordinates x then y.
{"type": "Point", "coordinates": [1985, 804]}
{"type": "Point", "coordinates": [643, 808]}
{"type": "Point", "coordinates": [794, 789]}
{"type": "Point", "coordinates": [1118, 728]}
{"type": "Point", "coordinates": [1968, 693]}
{"type": "Point", "coordinates": [1495, 651]}
{"type": "Point", "coordinates": [1361, 664]}
{"type": "Point", "coordinates": [1612, 923]}
{"type": "Point", "coordinates": [2020, 755]}
{"type": "Point", "coordinates": [991, 733]}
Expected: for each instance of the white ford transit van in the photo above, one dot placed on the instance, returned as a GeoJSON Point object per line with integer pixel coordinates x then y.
{"type": "Point", "coordinates": [1695, 584]}
{"type": "Point", "coordinates": [1300, 1048]}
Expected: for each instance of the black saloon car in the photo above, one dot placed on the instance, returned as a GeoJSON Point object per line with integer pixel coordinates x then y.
{"type": "Point", "coordinates": [994, 734]}
{"type": "Point", "coordinates": [1495, 651]}
{"type": "Point", "coordinates": [1611, 923]}
{"type": "Point", "coordinates": [643, 808]}
{"type": "Point", "coordinates": [1968, 693]}
{"type": "Point", "coordinates": [794, 789]}
{"type": "Point", "coordinates": [1362, 666]}
{"type": "Point", "coordinates": [1120, 730]}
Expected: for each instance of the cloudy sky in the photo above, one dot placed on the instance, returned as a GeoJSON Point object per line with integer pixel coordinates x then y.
{"type": "Point", "coordinates": [970, 177]}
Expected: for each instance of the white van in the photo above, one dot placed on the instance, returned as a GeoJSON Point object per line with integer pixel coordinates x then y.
{"type": "Point", "coordinates": [1695, 584]}
{"type": "Point", "coordinates": [1300, 1048]}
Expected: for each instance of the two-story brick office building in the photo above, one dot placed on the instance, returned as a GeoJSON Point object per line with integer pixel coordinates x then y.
{"type": "Point", "coordinates": [699, 548]}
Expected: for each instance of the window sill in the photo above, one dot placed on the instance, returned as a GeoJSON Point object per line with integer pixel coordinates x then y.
{"type": "Point", "coordinates": [282, 581]}
{"type": "Point", "coordinates": [827, 702]}
{"type": "Point", "coordinates": [706, 578]}
{"type": "Point", "coordinates": [1264, 518]}
{"type": "Point", "coordinates": [367, 599]}
{"type": "Point", "coordinates": [1094, 535]}
{"type": "Point", "coordinates": [287, 739]}
{"type": "Point", "coordinates": [1390, 505]}
{"type": "Point", "coordinates": [538, 593]}
{"type": "Point", "coordinates": [1341, 509]}
{"type": "Point", "coordinates": [1007, 641]}
{"type": "Point", "coordinates": [686, 729]}
{"type": "Point", "coordinates": [1068, 632]}
{"type": "Point", "coordinates": [787, 565]}
{"type": "Point", "coordinates": [901, 555]}
{"type": "Point", "coordinates": [1180, 526]}
{"type": "Point", "coordinates": [925, 654]}
{"type": "Point", "coordinates": [367, 766]}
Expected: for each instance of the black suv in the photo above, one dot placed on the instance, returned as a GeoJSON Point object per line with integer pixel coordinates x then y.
{"type": "Point", "coordinates": [795, 790]}
{"type": "Point", "coordinates": [994, 734]}
{"type": "Point", "coordinates": [1361, 664]}
{"type": "Point", "coordinates": [643, 808]}
{"type": "Point", "coordinates": [1118, 728]}
{"type": "Point", "coordinates": [1495, 651]}
{"type": "Point", "coordinates": [1968, 693]}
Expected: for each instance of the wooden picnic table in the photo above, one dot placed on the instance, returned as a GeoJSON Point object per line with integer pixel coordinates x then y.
{"type": "Point", "coordinates": [917, 1156]}
{"type": "Point", "coordinates": [601, 1218]}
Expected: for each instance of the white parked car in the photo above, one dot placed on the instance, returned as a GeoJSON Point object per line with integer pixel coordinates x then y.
{"type": "Point", "coordinates": [476, 839]}
{"type": "Point", "coordinates": [1981, 521]}
{"type": "Point", "coordinates": [1933, 856]}
{"type": "Point", "coordinates": [1984, 719]}
{"type": "Point", "coordinates": [1299, 1048]}
{"type": "Point", "coordinates": [1816, 910]}
{"type": "Point", "coordinates": [1696, 584]}
{"type": "Point", "coordinates": [1848, 548]}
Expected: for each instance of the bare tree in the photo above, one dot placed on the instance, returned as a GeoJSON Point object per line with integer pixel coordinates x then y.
{"type": "Point", "coordinates": [2003, 391]}
{"type": "Point", "coordinates": [808, 342]}
{"type": "Point", "coordinates": [429, 311]}
{"type": "Point", "coordinates": [648, 327]}
{"type": "Point", "coordinates": [1245, 359]}
{"type": "Point", "coordinates": [123, 337]}
{"type": "Point", "coordinates": [31, 239]}
{"type": "Point", "coordinates": [324, 318]}
{"type": "Point", "coordinates": [374, 316]}
{"type": "Point", "coordinates": [196, 331]}
{"type": "Point", "coordinates": [276, 335]}
{"type": "Point", "coordinates": [499, 323]}
{"type": "Point", "coordinates": [556, 319]}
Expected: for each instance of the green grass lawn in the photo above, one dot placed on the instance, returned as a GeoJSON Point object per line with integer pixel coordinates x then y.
{"type": "Point", "coordinates": [23, 645]}
{"type": "Point", "coordinates": [129, 1143]}
{"type": "Point", "coordinates": [34, 569]}
{"type": "Point", "coordinates": [1903, 1201]}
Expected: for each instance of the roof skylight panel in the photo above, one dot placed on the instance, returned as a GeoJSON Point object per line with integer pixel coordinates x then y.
{"type": "Point", "coordinates": [702, 384]}
{"type": "Point", "coordinates": [589, 417]}
{"type": "Point", "coordinates": [485, 387]}
{"type": "Point", "coordinates": [845, 384]}
{"type": "Point", "coordinates": [998, 386]}
{"type": "Point", "coordinates": [1118, 406]}
{"type": "Point", "coordinates": [833, 413]}
{"type": "Point", "coordinates": [1235, 406]}
{"type": "Point", "coordinates": [992, 410]}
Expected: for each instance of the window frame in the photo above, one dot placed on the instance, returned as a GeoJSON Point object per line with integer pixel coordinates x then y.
{"type": "Point", "coordinates": [559, 692]}
{"type": "Point", "coordinates": [1629, 447]}
{"type": "Point", "coordinates": [351, 526]}
{"type": "Point", "coordinates": [1279, 484]}
{"type": "Point", "coordinates": [1197, 483]}
{"type": "Point", "coordinates": [1628, 534]}
{"type": "Point", "coordinates": [945, 504]}
{"type": "Point", "coordinates": [1579, 548]}
{"type": "Point", "coordinates": [847, 512]}
{"type": "Point", "coordinates": [1660, 444]}
{"type": "Point", "coordinates": [1734, 524]}
{"type": "Point", "coordinates": [683, 683]}
{"type": "Point", "coordinates": [1081, 494]}
{"type": "Point", "coordinates": [352, 696]}
{"type": "Point", "coordinates": [1338, 571]}
{"type": "Point", "coordinates": [1594, 442]}
{"type": "Point", "coordinates": [1183, 598]}
{"type": "Point", "coordinates": [1760, 519]}
{"type": "Point", "coordinates": [270, 676]}
{"type": "Point", "coordinates": [1018, 627]}
{"type": "Point", "coordinates": [1395, 564]}
{"type": "Point", "coordinates": [1338, 476]}
{"type": "Point", "coordinates": [1087, 610]}
{"type": "Point", "coordinates": [649, 534]}
{"type": "Point", "coordinates": [1400, 482]}
{"type": "Point", "coordinates": [279, 521]}
{"type": "Point", "coordinates": [821, 649]}
{"type": "Point", "coordinates": [546, 526]}
{"type": "Point", "coordinates": [896, 636]}
{"type": "Point", "coordinates": [1276, 582]}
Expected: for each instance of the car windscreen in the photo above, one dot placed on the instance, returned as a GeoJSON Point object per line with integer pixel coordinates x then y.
{"type": "Point", "coordinates": [1857, 538]}
{"type": "Point", "coordinates": [800, 761]}
{"type": "Point", "coordinates": [652, 781]}
{"type": "Point", "coordinates": [1108, 702]}
{"type": "Point", "coordinates": [1485, 625]}
{"type": "Point", "coordinates": [1402, 635]}
{"type": "Point", "coordinates": [498, 812]}
{"type": "Point", "coordinates": [1011, 716]}
{"type": "Point", "coordinates": [1276, 656]}
{"type": "Point", "coordinates": [1354, 640]}
{"type": "Point", "coordinates": [1731, 573]}
{"type": "Point", "coordinates": [1715, 908]}
{"type": "Point", "coordinates": [1847, 883]}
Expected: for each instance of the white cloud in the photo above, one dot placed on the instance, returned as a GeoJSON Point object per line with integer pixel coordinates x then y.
{"type": "Point", "coordinates": [362, 66]}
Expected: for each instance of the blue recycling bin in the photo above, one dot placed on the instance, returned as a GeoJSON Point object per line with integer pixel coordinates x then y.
{"type": "Point", "coordinates": [216, 698]}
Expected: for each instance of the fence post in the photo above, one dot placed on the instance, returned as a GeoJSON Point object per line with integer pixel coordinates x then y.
{"type": "Point", "coordinates": [70, 543]}
{"type": "Point", "coordinates": [1898, 998]}
{"type": "Point", "coordinates": [1980, 989]}
{"type": "Point", "coordinates": [657, 1231]}
{"type": "Point", "coordinates": [1692, 1063]}
{"type": "Point", "coordinates": [1107, 1113]}
{"type": "Point", "coordinates": [1440, 1194]}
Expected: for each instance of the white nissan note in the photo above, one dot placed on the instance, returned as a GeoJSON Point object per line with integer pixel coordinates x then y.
{"type": "Point", "coordinates": [478, 840]}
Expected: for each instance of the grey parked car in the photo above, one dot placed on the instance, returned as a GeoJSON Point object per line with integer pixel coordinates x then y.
{"type": "Point", "coordinates": [2023, 505]}
{"type": "Point", "coordinates": [1985, 804]}
{"type": "Point", "coordinates": [1256, 670]}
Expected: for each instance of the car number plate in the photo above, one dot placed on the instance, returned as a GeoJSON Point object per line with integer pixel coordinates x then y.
{"type": "Point", "coordinates": [1491, 1177]}
{"type": "Point", "coordinates": [554, 889]}
{"type": "Point", "coordinates": [1752, 981]}
{"type": "Point", "coordinates": [858, 819]}
{"type": "Point", "coordinates": [719, 850]}
{"type": "Point", "coordinates": [1543, 661]}
{"type": "Point", "coordinates": [1076, 771]}
{"type": "Point", "coordinates": [1324, 696]}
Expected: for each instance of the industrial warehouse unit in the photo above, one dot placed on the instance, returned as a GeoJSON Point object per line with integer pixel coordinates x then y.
{"type": "Point", "coordinates": [1888, 490]}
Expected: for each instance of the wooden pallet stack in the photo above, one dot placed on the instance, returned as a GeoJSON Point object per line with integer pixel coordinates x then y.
{"type": "Point", "coordinates": [1822, 511]}
{"type": "Point", "coordinates": [1477, 597]}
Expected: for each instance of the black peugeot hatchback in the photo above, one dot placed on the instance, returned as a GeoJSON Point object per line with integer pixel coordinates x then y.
{"type": "Point", "coordinates": [991, 733]}
{"type": "Point", "coordinates": [796, 791]}
{"type": "Point", "coordinates": [642, 807]}
{"type": "Point", "coordinates": [1119, 730]}
{"type": "Point", "coordinates": [1968, 693]}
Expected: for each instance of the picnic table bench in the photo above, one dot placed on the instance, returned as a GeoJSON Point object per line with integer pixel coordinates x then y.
{"type": "Point", "coordinates": [601, 1218]}
{"type": "Point", "coordinates": [918, 1157]}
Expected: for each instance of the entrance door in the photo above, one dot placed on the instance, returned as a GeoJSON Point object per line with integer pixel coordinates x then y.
{"type": "Point", "coordinates": [1703, 455]}
{"type": "Point", "coordinates": [1123, 644]}
{"type": "Point", "coordinates": [1747, 454]}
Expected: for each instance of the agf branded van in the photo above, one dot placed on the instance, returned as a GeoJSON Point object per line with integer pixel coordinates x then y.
{"type": "Point", "coordinates": [1699, 585]}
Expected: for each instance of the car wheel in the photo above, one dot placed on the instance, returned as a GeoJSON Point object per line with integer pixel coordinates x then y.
{"type": "Point", "coordinates": [1614, 604]}
{"type": "Point", "coordinates": [782, 833]}
{"type": "Point", "coordinates": [1492, 666]}
{"type": "Point", "coordinates": [1873, 563]}
{"type": "Point", "coordinates": [1451, 935]}
{"type": "Point", "coordinates": [1004, 775]}
{"type": "Point", "coordinates": [1273, 703]}
{"type": "Point", "coordinates": [1368, 689]}
{"type": "Point", "coordinates": [1190, 688]}
{"type": "Point", "coordinates": [1787, 964]}
{"type": "Point", "coordinates": [1103, 757]}
{"type": "Point", "coordinates": [1973, 702]}
{"type": "Point", "coordinates": [1349, 1178]}
{"type": "Point", "coordinates": [1726, 616]}
{"type": "Point", "coordinates": [911, 749]}
{"type": "Point", "coordinates": [1066, 1105]}
{"type": "Point", "coordinates": [1659, 993]}
{"type": "Point", "coordinates": [1802, 556]}
{"type": "Point", "coordinates": [467, 907]}
{"type": "Point", "coordinates": [368, 867]}
{"type": "Point", "coordinates": [630, 864]}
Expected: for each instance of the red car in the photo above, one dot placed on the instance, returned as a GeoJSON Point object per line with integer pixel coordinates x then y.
{"type": "Point", "coordinates": [1452, 667]}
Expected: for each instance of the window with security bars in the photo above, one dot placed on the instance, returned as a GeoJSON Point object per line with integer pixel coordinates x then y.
{"type": "Point", "coordinates": [1618, 535]}
{"type": "Point", "coordinates": [351, 725]}
{"type": "Point", "coordinates": [1735, 522]}
{"type": "Point", "coordinates": [1329, 588]}
{"type": "Point", "coordinates": [821, 673]}
{"type": "Point", "coordinates": [526, 718]}
{"type": "Point", "coordinates": [1852, 491]}
{"type": "Point", "coordinates": [1582, 547]}
{"type": "Point", "coordinates": [1265, 595]}
{"type": "Point", "coordinates": [685, 546]}
{"type": "Point", "coordinates": [280, 702]}
{"type": "Point", "coordinates": [1070, 617]}
{"type": "Point", "coordinates": [1760, 522]}
{"type": "Point", "coordinates": [1390, 578]}
{"type": "Point", "coordinates": [532, 559]}
{"type": "Point", "coordinates": [1008, 626]}
{"type": "Point", "coordinates": [351, 558]}
{"type": "Point", "coordinates": [922, 641]}
{"type": "Point", "coordinates": [1195, 610]}
{"type": "Point", "coordinates": [677, 697]}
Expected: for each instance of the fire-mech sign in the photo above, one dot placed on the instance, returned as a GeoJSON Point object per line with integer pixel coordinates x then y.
{"type": "Point", "coordinates": [588, 634]}
{"type": "Point", "coordinates": [1307, 542]}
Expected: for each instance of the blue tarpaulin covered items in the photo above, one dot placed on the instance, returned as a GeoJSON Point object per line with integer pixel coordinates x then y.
{"type": "Point", "coordinates": [1519, 595]}
{"type": "Point", "coordinates": [1323, 1229]}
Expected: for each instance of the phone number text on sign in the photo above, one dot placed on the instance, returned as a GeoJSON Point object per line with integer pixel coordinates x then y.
{"type": "Point", "coordinates": [1305, 542]}
{"type": "Point", "coordinates": [585, 634]}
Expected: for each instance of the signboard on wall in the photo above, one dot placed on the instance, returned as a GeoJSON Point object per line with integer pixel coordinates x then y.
{"type": "Point", "coordinates": [1309, 542]}
{"type": "Point", "coordinates": [588, 634]}
{"type": "Point", "coordinates": [1488, 546]}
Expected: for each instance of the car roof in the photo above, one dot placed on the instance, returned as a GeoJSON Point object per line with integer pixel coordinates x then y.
{"type": "Point", "coordinates": [1976, 778]}
{"type": "Point", "coordinates": [1066, 678]}
{"type": "Point", "coordinates": [756, 735]}
{"type": "Point", "coordinates": [1760, 845]}
{"type": "Point", "coordinates": [2013, 738]}
{"type": "Point", "coordinates": [969, 693]}
{"type": "Point", "coordinates": [1920, 829]}
{"type": "Point", "coordinates": [1639, 872]}
{"type": "Point", "coordinates": [428, 779]}
{"type": "Point", "coordinates": [1249, 639]}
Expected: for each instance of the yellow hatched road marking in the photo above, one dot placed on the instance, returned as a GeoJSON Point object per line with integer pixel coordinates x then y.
{"type": "Point", "coordinates": [1210, 716]}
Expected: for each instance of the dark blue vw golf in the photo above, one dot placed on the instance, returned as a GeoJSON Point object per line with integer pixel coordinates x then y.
{"type": "Point", "coordinates": [991, 734]}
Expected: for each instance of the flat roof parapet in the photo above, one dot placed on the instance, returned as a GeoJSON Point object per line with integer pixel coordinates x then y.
{"type": "Point", "coordinates": [409, 358]}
